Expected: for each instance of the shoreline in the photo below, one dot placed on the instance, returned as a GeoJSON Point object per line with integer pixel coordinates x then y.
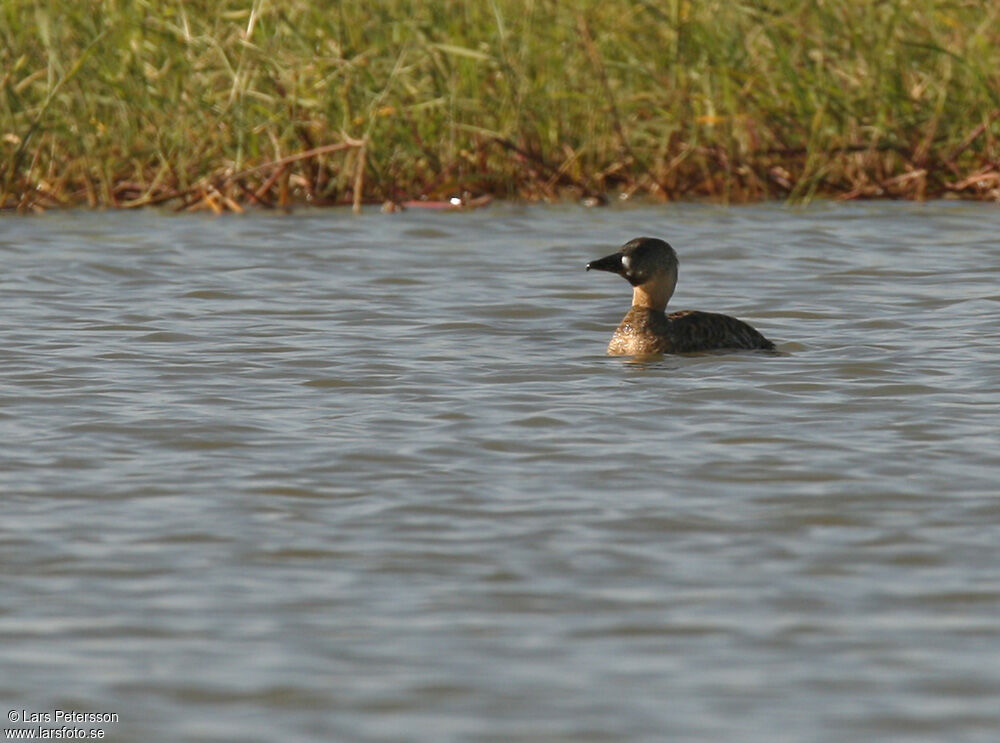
{"type": "Point", "coordinates": [287, 182]}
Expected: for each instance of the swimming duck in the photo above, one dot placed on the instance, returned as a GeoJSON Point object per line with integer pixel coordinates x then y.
{"type": "Point", "coordinates": [650, 266]}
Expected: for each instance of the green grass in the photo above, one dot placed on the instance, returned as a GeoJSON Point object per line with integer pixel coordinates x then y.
{"type": "Point", "coordinates": [194, 103]}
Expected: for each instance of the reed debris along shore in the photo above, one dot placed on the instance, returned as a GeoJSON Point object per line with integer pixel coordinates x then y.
{"type": "Point", "coordinates": [221, 106]}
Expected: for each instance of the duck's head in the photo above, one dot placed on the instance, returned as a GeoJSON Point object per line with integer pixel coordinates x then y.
{"type": "Point", "coordinates": [649, 265]}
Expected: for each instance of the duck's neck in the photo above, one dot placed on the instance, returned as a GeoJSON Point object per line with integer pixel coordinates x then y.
{"type": "Point", "coordinates": [652, 296]}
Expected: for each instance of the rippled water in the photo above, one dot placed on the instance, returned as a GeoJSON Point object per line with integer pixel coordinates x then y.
{"type": "Point", "coordinates": [318, 477]}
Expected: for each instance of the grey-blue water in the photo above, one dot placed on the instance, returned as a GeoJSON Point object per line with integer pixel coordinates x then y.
{"type": "Point", "coordinates": [321, 477]}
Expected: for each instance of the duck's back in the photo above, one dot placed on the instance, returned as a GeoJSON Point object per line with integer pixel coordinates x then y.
{"type": "Point", "coordinates": [692, 330]}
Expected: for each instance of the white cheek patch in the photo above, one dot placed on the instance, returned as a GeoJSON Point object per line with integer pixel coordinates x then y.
{"type": "Point", "coordinates": [627, 262]}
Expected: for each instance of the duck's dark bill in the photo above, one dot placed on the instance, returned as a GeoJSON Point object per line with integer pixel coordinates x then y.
{"type": "Point", "coordinates": [612, 263]}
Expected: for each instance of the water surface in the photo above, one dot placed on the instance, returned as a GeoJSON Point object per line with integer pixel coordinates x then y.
{"type": "Point", "coordinates": [318, 477]}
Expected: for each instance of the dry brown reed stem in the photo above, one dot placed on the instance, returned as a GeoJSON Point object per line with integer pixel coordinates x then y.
{"type": "Point", "coordinates": [267, 185]}
{"type": "Point", "coordinates": [212, 195]}
{"type": "Point", "coordinates": [971, 137]}
{"type": "Point", "coordinates": [359, 176]}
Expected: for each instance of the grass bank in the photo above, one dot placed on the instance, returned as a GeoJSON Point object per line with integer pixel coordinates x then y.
{"type": "Point", "coordinates": [220, 104]}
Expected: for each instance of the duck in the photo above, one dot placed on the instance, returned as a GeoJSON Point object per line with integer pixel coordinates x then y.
{"type": "Point", "coordinates": [650, 266]}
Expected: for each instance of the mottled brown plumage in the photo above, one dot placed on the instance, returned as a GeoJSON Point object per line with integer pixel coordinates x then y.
{"type": "Point", "coordinates": [645, 331]}
{"type": "Point", "coordinates": [650, 265]}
